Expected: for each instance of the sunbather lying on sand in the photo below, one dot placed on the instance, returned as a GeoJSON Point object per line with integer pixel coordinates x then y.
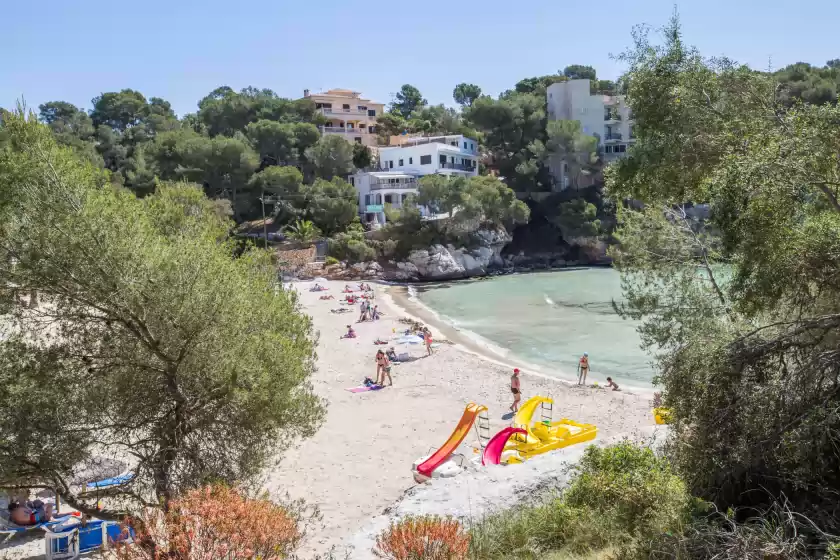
{"type": "Point", "coordinates": [326, 297]}
{"type": "Point", "coordinates": [340, 310]}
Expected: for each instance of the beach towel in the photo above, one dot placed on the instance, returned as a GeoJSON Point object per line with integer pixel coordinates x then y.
{"type": "Point", "coordinates": [364, 388]}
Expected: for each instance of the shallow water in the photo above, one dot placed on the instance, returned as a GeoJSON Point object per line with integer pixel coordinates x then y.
{"type": "Point", "coordinates": [548, 320]}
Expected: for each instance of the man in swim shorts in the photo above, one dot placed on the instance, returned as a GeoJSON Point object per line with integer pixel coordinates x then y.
{"type": "Point", "coordinates": [515, 388]}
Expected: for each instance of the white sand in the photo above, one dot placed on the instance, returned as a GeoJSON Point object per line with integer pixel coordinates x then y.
{"type": "Point", "coordinates": [359, 462]}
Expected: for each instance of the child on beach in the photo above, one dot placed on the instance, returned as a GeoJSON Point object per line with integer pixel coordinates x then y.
{"type": "Point", "coordinates": [613, 384]}
{"type": "Point", "coordinates": [350, 333]}
{"type": "Point", "coordinates": [427, 337]}
{"type": "Point", "coordinates": [515, 388]}
{"type": "Point", "coordinates": [583, 368]}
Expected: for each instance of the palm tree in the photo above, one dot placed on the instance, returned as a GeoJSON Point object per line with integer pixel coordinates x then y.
{"type": "Point", "coordinates": [303, 231]}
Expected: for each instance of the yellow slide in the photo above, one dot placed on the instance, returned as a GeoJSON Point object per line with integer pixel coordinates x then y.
{"type": "Point", "coordinates": [544, 436]}
{"type": "Point", "coordinates": [461, 430]}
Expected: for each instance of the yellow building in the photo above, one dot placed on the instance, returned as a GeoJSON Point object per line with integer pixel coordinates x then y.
{"type": "Point", "coordinates": [348, 114]}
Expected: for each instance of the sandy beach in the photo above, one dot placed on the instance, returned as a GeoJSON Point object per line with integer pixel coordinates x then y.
{"type": "Point", "coordinates": [359, 462]}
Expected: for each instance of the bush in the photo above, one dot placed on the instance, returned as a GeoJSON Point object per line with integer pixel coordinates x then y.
{"type": "Point", "coordinates": [620, 498]}
{"type": "Point", "coordinates": [329, 261]}
{"type": "Point", "coordinates": [215, 522]}
{"type": "Point", "coordinates": [351, 247]}
{"type": "Point", "coordinates": [423, 538]}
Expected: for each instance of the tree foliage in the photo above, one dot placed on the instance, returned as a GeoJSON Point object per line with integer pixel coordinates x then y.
{"type": "Point", "coordinates": [570, 147]}
{"type": "Point", "coordinates": [742, 311]}
{"type": "Point", "coordinates": [407, 100]}
{"type": "Point", "coordinates": [151, 342]}
{"type": "Point", "coordinates": [466, 94]}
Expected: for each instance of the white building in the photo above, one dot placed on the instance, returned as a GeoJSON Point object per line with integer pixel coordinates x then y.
{"type": "Point", "coordinates": [448, 155]}
{"type": "Point", "coordinates": [402, 165]}
{"type": "Point", "coordinates": [607, 117]}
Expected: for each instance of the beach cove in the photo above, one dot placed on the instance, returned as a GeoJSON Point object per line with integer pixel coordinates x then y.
{"type": "Point", "coordinates": [358, 464]}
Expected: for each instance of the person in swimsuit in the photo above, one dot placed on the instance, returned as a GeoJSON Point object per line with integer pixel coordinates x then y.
{"type": "Point", "coordinates": [427, 338]}
{"type": "Point", "coordinates": [350, 333]}
{"type": "Point", "coordinates": [515, 388]}
{"type": "Point", "coordinates": [31, 513]}
{"type": "Point", "coordinates": [383, 368]}
{"type": "Point", "coordinates": [613, 384]}
{"type": "Point", "coordinates": [583, 368]}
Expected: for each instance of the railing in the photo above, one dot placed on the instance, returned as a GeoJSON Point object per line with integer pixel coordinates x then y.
{"type": "Point", "coordinates": [612, 116]}
{"type": "Point", "coordinates": [613, 136]}
{"type": "Point", "coordinates": [340, 130]}
{"type": "Point", "coordinates": [363, 112]}
{"type": "Point", "coordinates": [458, 166]}
{"type": "Point", "coordinates": [383, 185]}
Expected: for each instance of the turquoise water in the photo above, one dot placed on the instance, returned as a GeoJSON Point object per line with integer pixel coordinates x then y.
{"type": "Point", "coordinates": [547, 320]}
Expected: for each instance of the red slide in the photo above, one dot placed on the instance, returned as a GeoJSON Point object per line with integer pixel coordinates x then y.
{"type": "Point", "coordinates": [493, 452]}
{"type": "Point", "coordinates": [461, 430]}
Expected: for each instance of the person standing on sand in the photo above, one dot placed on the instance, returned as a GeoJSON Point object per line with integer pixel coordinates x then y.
{"type": "Point", "coordinates": [515, 388]}
{"type": "Point", "coordinates": [427, 338]}
{"type": "Point", "coordinates": [583, 368]}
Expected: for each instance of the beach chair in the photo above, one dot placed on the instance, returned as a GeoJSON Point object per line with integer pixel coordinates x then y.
{"type": "Point", "coordinates": [9, 529]}
{"type": "Point", "coordinates": [70, 542]}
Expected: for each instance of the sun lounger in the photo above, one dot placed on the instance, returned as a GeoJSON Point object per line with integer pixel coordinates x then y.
{"type": "Point", "coordinates": [72, 541]}
{"type": "Point", "coordinates": [9, 529]}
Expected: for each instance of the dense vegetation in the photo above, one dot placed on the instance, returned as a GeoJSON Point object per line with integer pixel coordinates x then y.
{"type": "Point", "coordinates": [740, 312]}
{"type": "Point", "coordinates": [156, 338]}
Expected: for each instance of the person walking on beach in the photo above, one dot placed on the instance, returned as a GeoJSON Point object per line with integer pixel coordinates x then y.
{"type": "Point", "coordinates": [427, 338]}
{"type": "Point", "coordinates": [364, 310]}
{"type": "Point", "coordinates": [515, 388]}
{"type": "Point", "coordinates": [583, 368]}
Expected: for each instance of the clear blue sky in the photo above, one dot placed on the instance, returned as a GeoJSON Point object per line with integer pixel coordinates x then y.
{"type": "Point", "coordinates": [72, 50]}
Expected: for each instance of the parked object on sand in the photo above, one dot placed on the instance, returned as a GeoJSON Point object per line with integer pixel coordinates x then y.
{"type": "Point", "coordinates": [430, 466]}
{"type": "Point", "coordinates": [545, 435]}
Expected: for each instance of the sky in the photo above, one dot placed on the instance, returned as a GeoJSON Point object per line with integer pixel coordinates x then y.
{"type": "Point", "coordinates": [180, 50]}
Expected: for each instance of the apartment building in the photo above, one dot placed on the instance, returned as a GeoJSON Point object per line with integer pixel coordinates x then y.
{"type": "Point", "coordinates": [448, 155]}
{"type": "Point", "coordinates": [347, 114]}
{"type": "Point", "coordinates": [403, 163]}
{"type": "Point", "coordinates": [607, 117]}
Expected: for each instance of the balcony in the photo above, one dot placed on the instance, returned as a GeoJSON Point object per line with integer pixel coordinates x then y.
{"type": "Point", "coordinates": [612, 116]}
{"type": "Point", "coordinates": [612, 136]}
{"type": "Point", "coordinates": [457, 166]}
{"type": "Point", "coordinates": [340, 130]}
{"type": "Point", "coordinates": [345, 113]}
{"type": "Point", "coordinates": [403, 184]}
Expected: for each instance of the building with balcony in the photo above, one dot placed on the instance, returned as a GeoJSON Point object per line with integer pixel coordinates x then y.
{"type": "Point", "coordinates": [403, 163]}
{"type": "Point", "coordinates": [448, 155]}
{"type": "Point", "coordinates": [347, 114]}
{"type": "Point", "coordinates": [378, 188]}
{"type": "Point", "coordinates": [607, 117]}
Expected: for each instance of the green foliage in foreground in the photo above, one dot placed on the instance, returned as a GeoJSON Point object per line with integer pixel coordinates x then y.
{"type": "Point", "coordinates": [151, 341]}
{"type": "Point", "coordinates": [619, 498]}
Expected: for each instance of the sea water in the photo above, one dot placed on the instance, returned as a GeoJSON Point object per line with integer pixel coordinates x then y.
{"type": "Point", "coordinates": [548, 320]}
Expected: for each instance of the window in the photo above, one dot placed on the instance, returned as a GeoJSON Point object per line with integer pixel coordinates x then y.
{"type": "Point", "coordinates": [472, 146]}
{"type": "Point", "coordinates": [410, 161]}
{"type": "Point", "coordinates": [425, 160]}
{"type": "Point", "coordinates": [608, 149]}
{"type": "Point", "coordinates": [565, 167]}
{"type": "Point", "coordinates": [367, 200]}
{"type": "Point", "coordinates": [372, 129]}
{"type": "Point", "coordinates": [391, 164]}
{"type": "Point", "coordinates": [442, 159]}
{"type": "Point", "coordinates": [361, 108]}
{"type": "Point", "coordinates": [401, 163]}
{"type": "Point", "coordinates": [465, 145]}
{"type": "Point", "coordinates": [388, 199]}
{"type": "Point", "coordinates": [371, 112]}
{"type": "Point", "coordinates": [455, 143]}
{"type": "Point", "coordinates": [352, 181]}
{"type": "Point", "coordinates": [346, 107]}
{"type": "Point", "coordinates": [404, 197]}
{"type": "Point", "coordinates": [358, 139]}
{"type": "Point", "coordinates": [621, 148]}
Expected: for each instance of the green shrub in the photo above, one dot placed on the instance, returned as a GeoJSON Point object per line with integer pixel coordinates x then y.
{"type": "Point", "coordinates": [351, 247]}
{"type": "Point", "coordinates": [329, 261]}
{"type": "Point", "coordinates": [620, 498]}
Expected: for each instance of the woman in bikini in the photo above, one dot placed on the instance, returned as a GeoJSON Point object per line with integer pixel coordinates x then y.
{"type": "Point", "coordinates": [383, 368]}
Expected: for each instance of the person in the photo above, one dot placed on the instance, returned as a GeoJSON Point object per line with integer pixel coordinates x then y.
{"type": "Point", "coordinates": [31, 513]}
{"type": "Point", "coordinates": [350, 333]}
{"type": "Point", "coordinates": [427, 337]}
{"type": "Point", "coordinates": [613, 384]}
{"type": "Point", "coordinates": [515, 388]}
{"type": "Point", "coordinates": [392, 354]}
{"type": "Point", "coordinates": [375, 314]}
{"type": "Point", "coordinates": [383, 368]}
{"type": "Point", "coordinates": [583, 368]}
{"type": "Point", "coordinates": [364, 309]}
